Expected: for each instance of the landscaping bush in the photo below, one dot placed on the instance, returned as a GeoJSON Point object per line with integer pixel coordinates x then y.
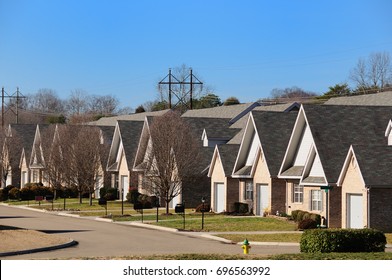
{"type": "Point", "coordinates": [4, 192]}
{"type": "Point", "coordinates": [306, 216]}
{"type": "Point", "coordinates": [145, 202]}
{"type": "Point", "coordinates": [207, 207]}
{"type": "Point", "coordinates": [342, 240]}
{"type": "Point", "coordinates": [300, 216]}
{"type": "Point", "coordinates": [14, 193]}
{"type": "Point", "coordinates": [294, 214]}
{"type": "Point", "coordinates": [108, 193]}
{"type": "Point", "coordinates": [307, 224]}
{"type": "Point", "coordinates": [26, 193]}
{"type": "Point", "coordinates": [316, 217]}
{"type": "Point", "coordinates": [241, 208]}
{"type": "Point", "coordinates": [133, 195]}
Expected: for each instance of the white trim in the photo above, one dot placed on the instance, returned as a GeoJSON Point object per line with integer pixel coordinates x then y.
{"type": "Point", "coordinates": [346, 164]}
{"type": "Point", "coordinates": [240, 152]}
{"type": "Point", "coordinates": [289, 150]}
{"type": "Point", "coordinates": [388, 129]}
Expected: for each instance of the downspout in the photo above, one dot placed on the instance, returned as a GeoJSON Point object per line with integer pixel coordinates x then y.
{"type": "Point", "coordinates": [368, 206]}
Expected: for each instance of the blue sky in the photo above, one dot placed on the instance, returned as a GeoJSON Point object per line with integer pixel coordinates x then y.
{"type": "Point", "coordinates": [239, 48]}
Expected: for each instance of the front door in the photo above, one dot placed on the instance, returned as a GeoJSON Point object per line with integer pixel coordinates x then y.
{"type": "Point", "coordinates": [124, 186]}
{"type": "Point", "coordinates": [219, 194]}
{"type": "Point", "coordinates": [262, 199]}
{"type": "Point", "coordinates": [355, 211]}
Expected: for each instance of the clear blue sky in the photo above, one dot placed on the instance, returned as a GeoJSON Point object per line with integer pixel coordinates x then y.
{"type": "Point", "coordinates": [240, 48]}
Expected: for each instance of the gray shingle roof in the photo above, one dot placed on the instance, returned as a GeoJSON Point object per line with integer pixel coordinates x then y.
{"type": "Point", "coordinates": [26, 133]}
{"type": "Point", "coordinates": [225, 112]}
{"type": "Point", "coordinates": [375, 163]}
{"type": "Point", "coordinates": [335, 128]}
{"type": "Point", "coordinates": [241, 123]}
{"type": "Point", "coordinates": [228, 155]}
{"type": "Point", "coordinates": [375, 99]}
{"type": "Point", "coordinates": [111, 121]}
{"type": "Point", "coordinates": [130, 132]}
{"type": "Point", "coordinates": [274, 130]}
{"type": "Point", "coordinates": [215, 127]}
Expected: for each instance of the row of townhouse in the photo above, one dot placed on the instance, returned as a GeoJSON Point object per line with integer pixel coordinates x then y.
{"type": "Point", "coordinates": [27, 162]}
{"type": "Point", "coordinates": [333, 160]}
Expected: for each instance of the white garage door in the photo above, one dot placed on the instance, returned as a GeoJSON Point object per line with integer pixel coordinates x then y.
{"type": "Point", "coordinates": [262, 199]}
{"type": "Point", "coordinates": [355, 211]}
{"type": "Point", "coordinates": [219, 194]}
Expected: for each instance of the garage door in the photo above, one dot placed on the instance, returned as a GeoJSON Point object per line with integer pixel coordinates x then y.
{"type": "Point", "coordinates": [262, 199]}
{"type": "Point", "coordinates": [355, 211]}
{"type": "Point", "coordinates": [219, 194]}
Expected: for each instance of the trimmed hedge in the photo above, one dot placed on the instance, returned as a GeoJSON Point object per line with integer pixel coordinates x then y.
{"type": "Point", "coordinates": [241, 208]}
{"type": "Point", "coordinates": [342, 240]}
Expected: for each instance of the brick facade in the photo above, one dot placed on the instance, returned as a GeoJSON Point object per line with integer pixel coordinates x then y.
{"type": "Point", "coordinates": [380, 207]}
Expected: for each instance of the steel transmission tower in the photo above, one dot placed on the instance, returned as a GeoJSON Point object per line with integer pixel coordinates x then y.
{"type": "Point", "coordinates": [17, 96]}
{"type": "Point", "coordinates": [186, 88]}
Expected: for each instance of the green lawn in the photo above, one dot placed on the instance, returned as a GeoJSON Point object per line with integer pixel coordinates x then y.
{"type": "Point", "coordinates": [227, 223]}
{"type": "Point", "coordinates": [276, 237]}
{"type": "Point", "coordinates": [302, 256]}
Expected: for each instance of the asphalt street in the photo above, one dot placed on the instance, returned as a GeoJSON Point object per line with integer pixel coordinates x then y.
{"type": "Point", "coordinates": [101, 239]}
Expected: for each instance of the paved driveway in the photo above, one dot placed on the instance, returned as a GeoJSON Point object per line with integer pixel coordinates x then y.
{"type": "Point", "coordinates": [102, 239]}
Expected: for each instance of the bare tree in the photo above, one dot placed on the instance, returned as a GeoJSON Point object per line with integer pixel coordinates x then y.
{"type": "Point", "coordinates": [372, 74]}
{"type": "Point", "coordinates": [46, 101]}
{"type": "Point", "coordinates": [103, 105]}
{"type": "Point", "coordinates": [53, 159]}
{"type": "Point", "coordinates": [10, 152]}
{"type": "Point", "coordinates": [81, 155]}
{"type": "Point", "coordinates": [77, 102]}
{"type": "Point", "coordinates": [292, 92]}
{"type": "Point", "coordinates": [170, 156]}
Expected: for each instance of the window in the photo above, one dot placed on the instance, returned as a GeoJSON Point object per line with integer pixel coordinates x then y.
{"type": "Point", "coordinates": [316, 200]}
{"type": "Point", "coordinates": [298, 193]}
{"type": "Point", "coordinates": [35, 176]}
{"type": "Point", "coordinates": [249, 191]}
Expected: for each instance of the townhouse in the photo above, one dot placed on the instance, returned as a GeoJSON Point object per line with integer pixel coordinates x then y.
{"type": "Point", "coordinates": [317, 150]}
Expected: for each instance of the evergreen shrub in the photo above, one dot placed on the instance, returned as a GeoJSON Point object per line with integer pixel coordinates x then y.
{"type": "Point", "coordinates": [342, 240]}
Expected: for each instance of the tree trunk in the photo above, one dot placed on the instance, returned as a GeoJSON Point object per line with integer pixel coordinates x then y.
{"type": "Point", "coordinates": [90, 197]}
{"type": "Point", "coordinates": [80, 197]}
{"type": "Point", "coordinates": [167, 204]}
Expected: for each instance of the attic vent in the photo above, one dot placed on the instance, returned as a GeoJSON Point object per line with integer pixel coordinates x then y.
{"type": "Point", "coordinates": [353, 162]}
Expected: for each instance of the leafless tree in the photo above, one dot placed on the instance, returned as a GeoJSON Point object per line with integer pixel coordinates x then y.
{"type": "Point", "coordinates": [81, 152]}
{"type": "Point", "coordinates": [103, 105]}
{"type": "Point", "coordinates": [10, 152]}
{"type": "Point", "coordinates": [53, 159]}
{"type": "Point", "coordinates": [78, 102]}
{"type": "Point", "coordinates": [170, 156]}
{"type": "Point", "coordinates": [372, 74]}
{"type": "Point", "coordinates": [45, 101]}
{"type": "Point", "coordinates": [292, 92]}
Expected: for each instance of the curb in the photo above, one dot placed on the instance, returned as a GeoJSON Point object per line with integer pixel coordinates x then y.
{"type": "Point", "coordinates": [142, 225]}
{"type": "Point", "coordinates": [43, 249]}
{"type": "Point", "coordinates": [216, 238]}
{"type": "Point", "coordinates": [68, 215]}
{"type": "Point", "coordinates": [271, 243]}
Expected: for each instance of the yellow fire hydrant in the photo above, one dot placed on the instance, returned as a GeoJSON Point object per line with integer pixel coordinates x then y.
{"type": "Point", "coordinates": [246, 246]}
